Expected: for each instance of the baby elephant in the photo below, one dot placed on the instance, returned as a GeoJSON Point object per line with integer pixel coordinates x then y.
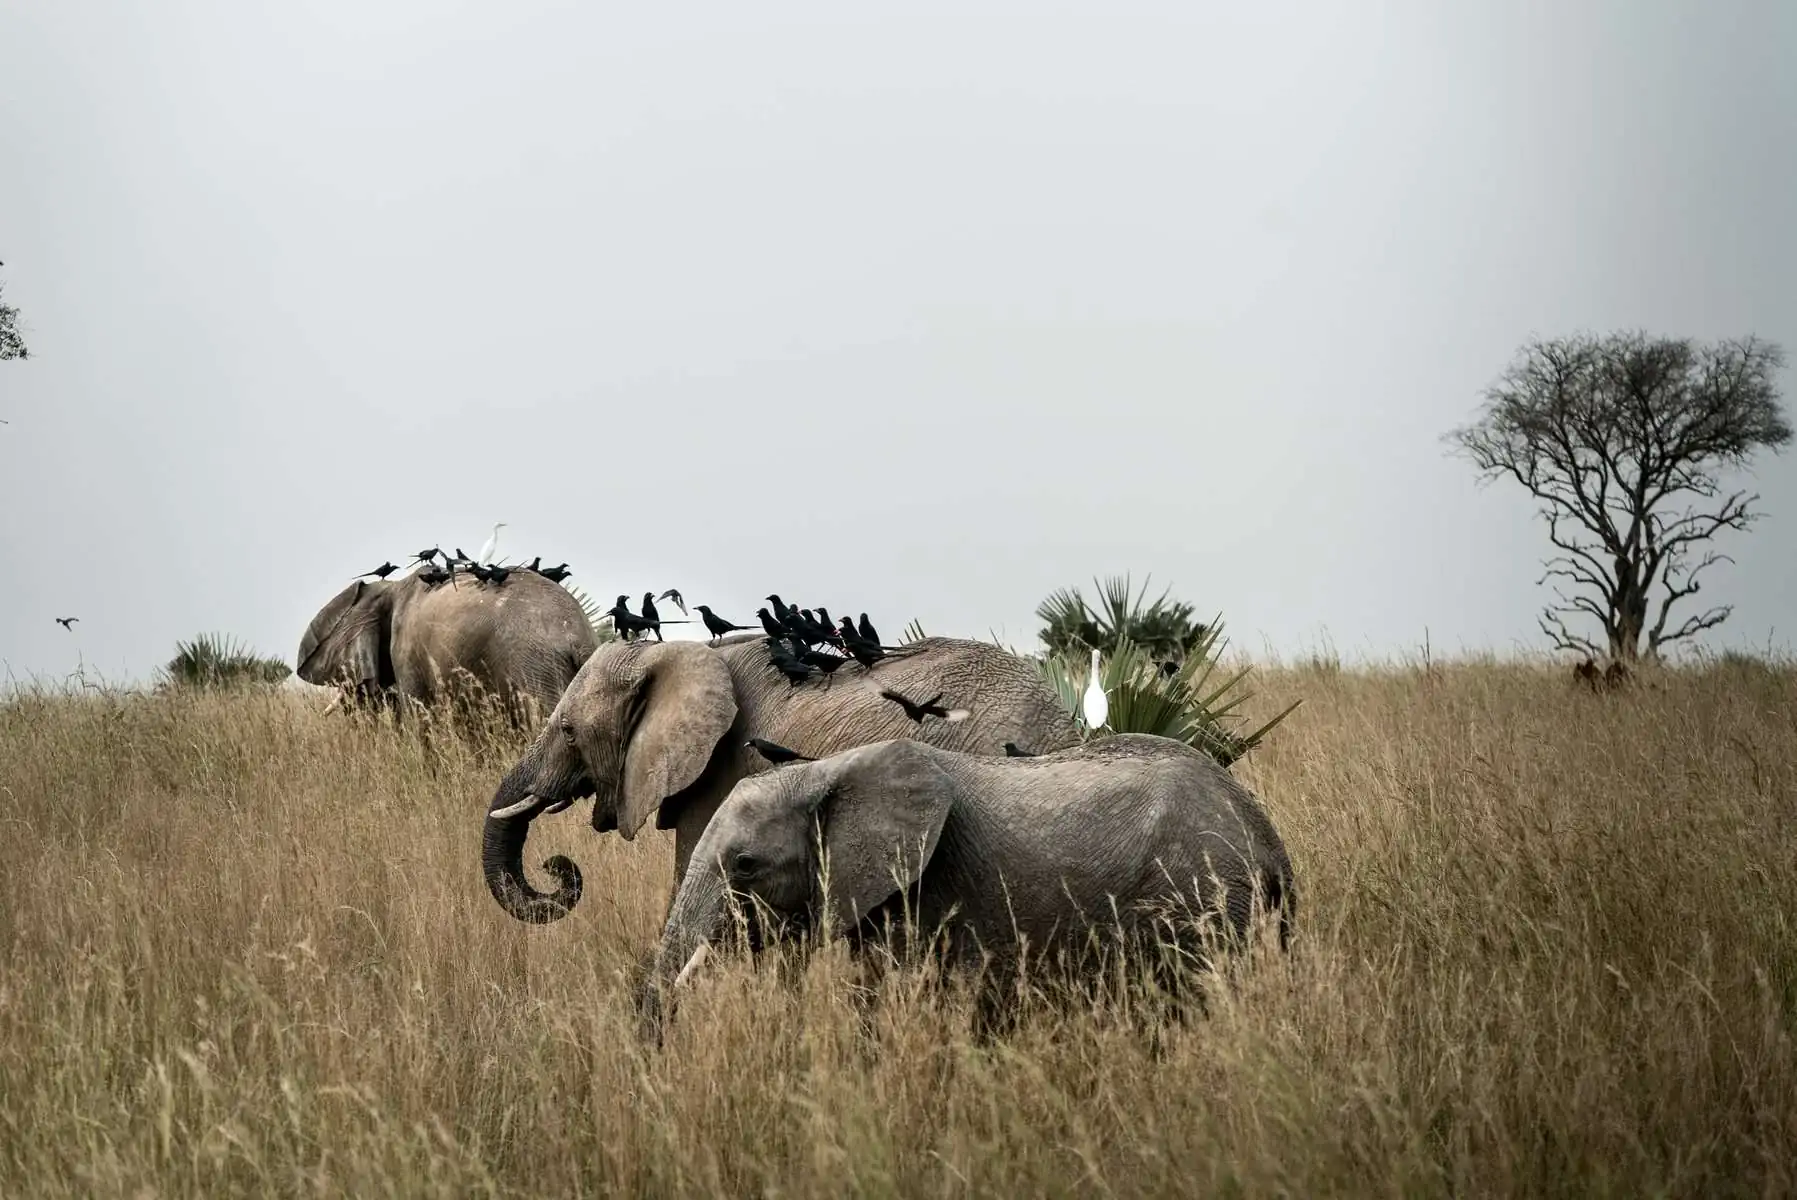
{"type": "Point", "coordinates": [1130, 833]}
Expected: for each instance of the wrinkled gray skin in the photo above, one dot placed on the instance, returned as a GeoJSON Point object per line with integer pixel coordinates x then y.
{"type": "Point", "coordinates": [662, 727]}
{"type": "Point", "coordinates": [521, 641]}
{"type": "Point", "coordinates": [1115, 831]}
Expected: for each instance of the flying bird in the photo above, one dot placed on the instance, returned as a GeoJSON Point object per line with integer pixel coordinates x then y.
{"type": "Point", "coordinates": [1097, 704]}
{"type": "Point", "coordinates": [67, 623]}
{"type": "Point", "coordinates": [714, 624]}
{"type": "Point", "coordinates": [674, 595]}
{"type": "Point", "coordinates": [929, 708]}
{"type": "Point", "coordinates": [382, 571]}
{"type": "Point", "coordinates": [776, 753]}
{"type": "Point", "coordinates": [486, 551]}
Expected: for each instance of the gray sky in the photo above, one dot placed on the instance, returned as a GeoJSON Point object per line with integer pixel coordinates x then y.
{"type": "Point", "coordinates": [926, 313]}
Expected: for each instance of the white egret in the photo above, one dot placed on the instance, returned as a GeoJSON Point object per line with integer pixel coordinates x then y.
{"type": "Point", "coordinates": [486, 552]}
{"type": "Point", "coordinates": [1098, 705]}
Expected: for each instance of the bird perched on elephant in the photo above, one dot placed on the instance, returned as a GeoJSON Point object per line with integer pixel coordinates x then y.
{"type": "Point", "coordinates": [665, 729]}
{"type": "Point", "coordinates": [405, 638]}
{"type": "Point", "coordinates": [1135, 834]}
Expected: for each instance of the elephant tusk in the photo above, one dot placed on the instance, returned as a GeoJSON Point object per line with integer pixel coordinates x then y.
{"type": "Point", "coordinates": [513, 810]}
{"type": "Point", "coordinates": [692, 964]}
{"type": "Point", "coordinates": [555, 806]}
{"type": "Point", "coordinates": [335, 701]}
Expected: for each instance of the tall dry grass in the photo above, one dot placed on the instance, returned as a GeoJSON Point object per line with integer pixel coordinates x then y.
{"type": "Point", "coordinates": [1545, 946]}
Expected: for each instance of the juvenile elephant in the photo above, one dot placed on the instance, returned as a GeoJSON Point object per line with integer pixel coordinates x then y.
{"type": "Point", "coordinates": [665, 726]}
{"type": "Point", "coordinates": [1134, 834]}
{"type": "Point", "coordinates": [521, 641]}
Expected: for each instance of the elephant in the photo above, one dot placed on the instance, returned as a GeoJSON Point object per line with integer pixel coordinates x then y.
{"type": "Point", "coordinates": [1129, 833]}
{"type": "Point", "coordinates": [521, 641]}
{"type": "Point", "coordinates": [663, 728]}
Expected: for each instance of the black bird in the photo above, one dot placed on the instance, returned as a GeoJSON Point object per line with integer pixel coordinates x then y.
{"type": "Point", "coordinates": [1011, 751]}
{"type": "Point", "coordinates": [555, 574]}
{"type": "Point", "coordinates": [796, 625]}
{"type": "Point", "coordinates": [651, 619]}
{"type": "Point", "coordinates": [867, 631]}
{"type": "Point", "coordinates": [433, 575]}
{"type": "Point", "coordinates": [478, 571]}
{"type": "Point", "coordinates": [832, 634]}
{"type": "Point", "coordinates": [536, 564]}
{"type": "Point", "coordinates": [627, 623]}
{"type": "Point", "coordinates": [929, 708]}
{"type": "Point", "coordinates": [460, 557]}
{"type": "Point", "coordinates": [862, 651]}
{"type": "Point", "coordinates": [776, 753]}
{"type": "Point", "coordinates": [827, 663]}
{"type": "Point", "coordinates": [781, 608]}
{"type": "Point", "coordinates": [498, 574]}
{"type": "Point", "coordinates": [769, 623]}
{"type": "Point", "coordinates": [782, 659]}
{"type": "Point", "coordinates": [430, 555]}
{"type": "Point", "coordinates": [714, 624]}
{"type": "Point", "coordinates": [67, 623]}
{"type": "Point", "coordinates": [382, 571]}
{"type": "Point", "coordinates": [674, 595]}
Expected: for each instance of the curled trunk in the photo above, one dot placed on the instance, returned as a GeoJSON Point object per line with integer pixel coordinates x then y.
{"type": "Point", "coordinates": [502, 862]}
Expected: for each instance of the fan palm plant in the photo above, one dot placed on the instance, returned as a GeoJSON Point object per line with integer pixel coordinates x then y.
{"type": "Point", "coordinates": [1162, 628]}
{"type": "Point", "coordinates": [1149, 691]}
{"type": "Point", "coordinates": [597, 617]}
{"type": "Point", "coordinates": [213, 660]}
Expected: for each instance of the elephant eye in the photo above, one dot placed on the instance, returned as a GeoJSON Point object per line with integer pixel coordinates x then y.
{"type": "Point", "coordinates": [744, 863]}
{"type": "Point", "coordinates": [568, 729]}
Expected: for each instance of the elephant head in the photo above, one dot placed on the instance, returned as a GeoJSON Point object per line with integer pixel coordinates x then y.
{"type": "Point", "coordinates": [636, 726]}
{"type": "Point", "coordinates": [347, 644]}
{"type": "Point", "coordinates": [876, 811]}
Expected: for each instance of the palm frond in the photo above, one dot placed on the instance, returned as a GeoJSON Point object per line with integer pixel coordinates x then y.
{"type": "Point", "coordinates": [1143, 697]}
{"type": "Point", "coordinates": [215, 660]}
{"type": "Point", "coordinates": [597, 617]}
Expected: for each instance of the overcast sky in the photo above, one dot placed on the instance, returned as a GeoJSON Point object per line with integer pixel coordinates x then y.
{"type": "Point", "coordinates": [925, 313]}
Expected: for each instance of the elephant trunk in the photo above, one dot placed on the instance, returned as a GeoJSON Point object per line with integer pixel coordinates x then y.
{"type": "Point", "coordinates": [502, 859]}
{"type": "Point", "coordinates": [697, 919]}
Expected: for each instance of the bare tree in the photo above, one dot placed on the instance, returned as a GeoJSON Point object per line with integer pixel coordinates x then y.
{"type": "Point", "coordinates": [1623, 440]}
{"type": "Point", "coordinates": [12, 342]}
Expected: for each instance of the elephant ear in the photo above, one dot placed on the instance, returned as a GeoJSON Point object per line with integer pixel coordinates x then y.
{"type": "Point", "coordinates": [688, 704]}
{"type": "Point", "coordinates": [883, 809]}
{"type": "Point", "coordinates": [345, 641]}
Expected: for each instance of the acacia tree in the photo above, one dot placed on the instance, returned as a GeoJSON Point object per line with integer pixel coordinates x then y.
{"type": "Point", "coordinates": [12, 342]}
{"type": "Point", "coordinates": [1622, 440]}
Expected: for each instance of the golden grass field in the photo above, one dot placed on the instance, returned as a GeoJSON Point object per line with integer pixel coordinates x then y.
{"type": "Point", "coordinates": [1545, 945]}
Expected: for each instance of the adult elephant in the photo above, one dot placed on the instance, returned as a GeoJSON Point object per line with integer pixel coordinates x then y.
{"type": "Point", "coordinates": [663, 728]}
{"type": "Point", "coordinates": [520, 641]}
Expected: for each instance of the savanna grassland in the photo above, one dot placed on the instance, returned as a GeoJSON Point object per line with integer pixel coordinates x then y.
{"type": "Point", "coordinates": [1545, 945]}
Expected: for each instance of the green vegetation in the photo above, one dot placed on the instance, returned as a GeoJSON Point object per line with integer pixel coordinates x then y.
{"type": "Point", "coordinates": [1167, 686]}
{"type": "Point", "coordinates": [214, 660]}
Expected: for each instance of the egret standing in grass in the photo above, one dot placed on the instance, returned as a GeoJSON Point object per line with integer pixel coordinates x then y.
{"type": "Point", "coordinates": [486, 551]}
{"type": "Point", "coordinates": [1098, 705]}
